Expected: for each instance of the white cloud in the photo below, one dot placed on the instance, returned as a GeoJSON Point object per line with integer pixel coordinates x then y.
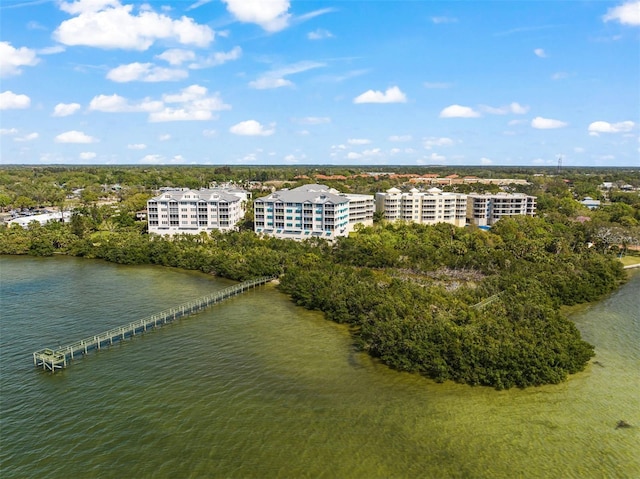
{"type": "Point", "coordinates": [87, 155]}
{"type": "Point", "coordinates": [485, 161]}
{"type": "Point", "coordinates": [547, 123]}
{"type": "Point", "coordinates": [8, 131]}
{"type": "Point", "coordinates": [276, 78]}
{"type": "Point", "coordinates": [51, 50]}
{"type": "Point", "coordinates": [559, 76]}
{"type": "Point", "coordinates": [11, 59]}
{"type": "Point", "coordinates": [514, 107]}
{"type": "Point", "coordinates": [217, 58]}
{"type": "Point", "coordinates": [459, 111]}
{"type": "Point", "coordinates": [209, 133]}
{"type": "Point", "coordinates": [145, 72]}
{"type": "Point", "coordinates": [319, 34]}
{"type": "Point", "coordinates": [164, 137]}
{"type": "Point", "coordinates": [352, 155]}
{"type": "Point", "coordinates": [151, 159]}
{"type": "Point", "coordinates": [251, 128]}
{"type": "Point", "coordinates": [271, 15]}
{"type": "Point", "coordinates": [372, 152]}
{"type": "Point", "coordinates": [436, 157]}
{"type": "Point", "coordinates": [313, 120]}
{"type": "Point", "coordinates": [176, 56]}
{"type": "Point", "coordinates": [13, 101]}
{"type": "Point", "coordinates": [517, 122]}
{"type": "Point", "coordinates": [27, 137]}
{"type": "Point", "coordinates": [118, 104]}
{"type": "Point", "coordinates": [400, 138]}
{"type": "Point", "coordinates": [65, 109]}
{"type": "Point", "coordinates": [358, 141]}
{"type": "Point", "coordinates": [540, 53]}
{"type": "Point", "coordinates": [429, 143]}
{"type": "Point", "coordinates": [193, 104]}
{"type": "Point", "coordinates": [392, 95]}
{"type": "Point", "coordinates": [628, 13]}
{"type": "Point", "coordinates": [579, 149]}
{"type": "Point", "coordinates": [598, 127]}
{"type": "Point", "coordinates": [109, 24]}
{"type": "Point", "coordinates": [137, 146]}
{"type": "Point", "coordinates": [74, 136]}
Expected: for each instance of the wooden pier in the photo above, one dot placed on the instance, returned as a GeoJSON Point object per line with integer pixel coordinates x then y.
{"type": "Point", "coordinates": [53, 359]}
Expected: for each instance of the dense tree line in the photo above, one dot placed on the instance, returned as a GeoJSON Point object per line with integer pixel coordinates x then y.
{"type": "Point", "coordinates": [407, 291]}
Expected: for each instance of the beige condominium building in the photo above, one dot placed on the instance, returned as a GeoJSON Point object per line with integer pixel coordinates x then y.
{"type": "Point", "coordinates": [487, 209]}
{"type": "Point", "coordinates": [424, 207]}
{"type": "Point", "coordinates": [311, 211]}
{"type": "Point", "coordinates": [193, 211]}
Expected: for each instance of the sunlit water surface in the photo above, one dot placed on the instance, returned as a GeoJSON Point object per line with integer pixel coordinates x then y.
{"type": "Point", "coordinates": [257, 387]}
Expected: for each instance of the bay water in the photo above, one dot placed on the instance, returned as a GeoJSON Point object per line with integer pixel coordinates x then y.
{"type": "Point", "coordinates": [256, 387]}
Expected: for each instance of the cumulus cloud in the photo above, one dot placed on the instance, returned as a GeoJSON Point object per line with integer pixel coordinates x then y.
{"type": "Point", "coordinates": [358, 141]}
{"type": "Point", "coordinates": [319, 34]}
{"type": "Point", "coordinates": [352, 155]}
{"type": "Point", "coordinates": [164, 137]}
{"type": "Point", "coordinates": [65, 109]}
{"type": "Point", "coordinates": [485, 161]}
{"type": "Point", "coordinates": [74, 136]}
{"type": "Point", "coordinates": [540, 53]}
{"type": "Point", "coordinates": [13, 101]}
{"type": "Point", "coordinates": [177, 56]}
{"type": "Point", "coordinates": [400, 138]}
{"type": "Point", "coordinates": [272, 16]}
{"type": "Point", "coordinates": [429, 143]}
{"type": "Point", "coordinates": [628, 13]}
{"type": "Point", "coordinates": [145, 72]}
{"type": "Point", "coordinates": [514, 108]}
{"type": "Point", "coordinates": [118, 104]}
{"type": "Point", "coordinates": [87, 155]}
{"type": "Point", "coordinates": [251, 128]}
{"type": "Point", "coordinates": [137, 146]}
{"type": "Point", "coordinates": [27, 137]}
{"type": "Point", "coordinates": [217, 58]}
{"type": "Point", "coordinates": [598, 127]}
{"type": "Point", "coordinates": [392, 95]}
{"type": "Point", "coordinates": [109, 24]}
{"type": "Point", "coordinates": [459, 111]}
{"type": "Point", "coordinates": [12, 59]}
{"type": "Point", "coordinates": [8, 131]}
{"type": "Point", "coordinates": [193, 103]}
{"type": "Point", "coordinates": [276, 78]}
{"type": "Point", "coordinates": [547, 123]}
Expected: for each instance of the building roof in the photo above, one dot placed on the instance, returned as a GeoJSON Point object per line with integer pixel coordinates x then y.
{"type": "Point", "coordinates": [201, 195]}
{"type": "Point", "coordinates": [311, 193]}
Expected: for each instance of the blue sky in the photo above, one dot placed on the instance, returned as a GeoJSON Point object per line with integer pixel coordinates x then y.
{"type": "Point", "coordinates": [303, 82]}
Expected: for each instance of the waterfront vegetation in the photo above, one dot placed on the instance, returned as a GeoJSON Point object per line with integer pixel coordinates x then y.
{"type": "Point", "coordinates": [461, 304]}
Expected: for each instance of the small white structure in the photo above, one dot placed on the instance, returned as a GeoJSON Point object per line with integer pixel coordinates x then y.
{"type": "Point", "coordinates": [591, 203]}
{"type": "Point", "coordinates": [193, 211]}
{"type": "Point", "coordinates": [24, 221]}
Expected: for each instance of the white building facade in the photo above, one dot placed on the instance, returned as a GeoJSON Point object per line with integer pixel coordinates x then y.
{"type": "Point", "coordinates": [424, 207]}
{"type": "Point", "coordinates": [194, 211]}
{"type": "Point", "coordinates": [487, 209]}
{"type": "Point", "coordinates": [311, 211]}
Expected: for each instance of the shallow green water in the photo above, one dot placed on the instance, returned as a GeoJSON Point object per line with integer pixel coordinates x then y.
{"type": "Point", "coordinates": [256, 387]}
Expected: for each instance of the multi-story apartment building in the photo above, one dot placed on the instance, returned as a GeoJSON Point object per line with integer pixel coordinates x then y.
{"type": "Point", "coordinates": [193, 211]}
{"type": "Point", "coordinates": [428, 207]}
{"type": "Point", "coordinates": [487, 209]}
{"type": "Point", "coordinates": [311, 211]}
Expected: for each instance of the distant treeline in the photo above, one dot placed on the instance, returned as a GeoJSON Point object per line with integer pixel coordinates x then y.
{"type": "Point", "coordinates": [476, 307]}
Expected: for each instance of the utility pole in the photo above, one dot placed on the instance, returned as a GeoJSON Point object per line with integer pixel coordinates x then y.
{"type": "Point", "coordinates": [559, 164]}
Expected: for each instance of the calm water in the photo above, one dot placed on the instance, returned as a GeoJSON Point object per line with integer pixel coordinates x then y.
{"type": "Point", "coordinates": [256, 387]}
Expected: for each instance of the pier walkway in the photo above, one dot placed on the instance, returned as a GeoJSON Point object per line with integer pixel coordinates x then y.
{"type": "Point", "coordinates": [54, 359]}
